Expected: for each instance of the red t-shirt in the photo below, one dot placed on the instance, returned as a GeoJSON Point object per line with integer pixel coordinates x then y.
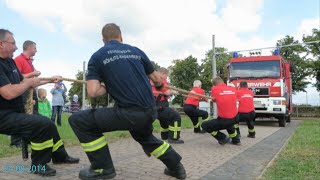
{"type": "Point", "coordinates": [164, 82]}
{"type": "Point", "coordinates": [192, 99]}
{"type": "Point", "coordinates": [24, 64]}
{"type": "Point", "coordinates": [245, 98]}
{"type": "Point", "coordinates": [226, 100]}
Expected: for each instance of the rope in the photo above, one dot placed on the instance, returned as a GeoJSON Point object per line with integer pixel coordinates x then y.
{"type": "Point", "coordinates": [166, 86]}
{"type": "Point", "coordinates": [28, 110]}
{"type": "Point", "coordinates": [157, 92]}
{"type": "Point", "coordinates": [64, 79]}
{"type": "Point", "coordinates": [186, 92]}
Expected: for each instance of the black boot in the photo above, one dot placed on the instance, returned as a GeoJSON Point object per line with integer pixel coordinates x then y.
{"type": "Point", "coordinates": [238, 131]}
{"type": "Point", "coordinates": [174, 137]}
{"type": "Point", "coordinates": [67, 160]}
{"type": "Point", "coordinates": [179, 172]}
{"type": "Point", "coordinates": [224, 141]}
{"type": "Point", "coordinates": [236, 141]}
{"type": "Point", "coordinates": [202, 131]}
{"type": "Point", "coordinates": [197, 130]}
{"type": "Point", "coordinates": [42, 170]}
{"type": "Point", "coordinates": [251, 135]}
{"type": "Point", "coordinates": [91, 174]}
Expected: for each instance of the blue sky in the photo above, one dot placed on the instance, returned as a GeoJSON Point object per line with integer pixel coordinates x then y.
{"type": "Point", "coordinates": [68, 32]}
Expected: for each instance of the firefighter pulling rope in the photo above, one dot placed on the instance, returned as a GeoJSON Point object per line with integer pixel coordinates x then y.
{"type": "Point", "coordinates": [29, 104]}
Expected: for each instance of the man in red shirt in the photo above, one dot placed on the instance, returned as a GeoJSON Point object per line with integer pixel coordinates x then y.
{"type": "Point", "coordinates": [226, 99]}
{"type": "Point", "coordinates": [246, 108]}
{"type": "Point", "coordinates": [191, 106]}
{"type": "Point", "coordinates": [24, 60]}
{"type": "Point", "coordinates": [24, 65]}
{"type": "Point", "coordinates": [170, 120]}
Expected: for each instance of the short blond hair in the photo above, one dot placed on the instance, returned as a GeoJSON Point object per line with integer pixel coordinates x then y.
{"type": "Point", "coordinates": [42, 92]}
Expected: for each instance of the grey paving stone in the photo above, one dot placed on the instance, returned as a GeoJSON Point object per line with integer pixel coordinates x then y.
{"type": "Point", "coordinates": [201, 155]}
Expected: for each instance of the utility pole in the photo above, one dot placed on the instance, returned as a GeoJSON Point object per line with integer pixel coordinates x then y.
{"type": "Point", "coordinates": [307, 98]}
{"type": "Point", "coordinates": [214, 72]}
{"type": "Point", "coordinates": [84, 86]}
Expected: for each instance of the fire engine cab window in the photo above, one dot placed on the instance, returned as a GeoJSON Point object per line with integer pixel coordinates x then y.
{"type": "Point", "coordinates": [255, 69]}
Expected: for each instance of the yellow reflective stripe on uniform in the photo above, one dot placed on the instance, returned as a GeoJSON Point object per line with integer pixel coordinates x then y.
{"type": "Point", "coordinates": [175, 129]}
{"type": "Point", "coordinates": [94, 145]}
{"type": "Point", "coordinates": [57, 145]}
{"type": "Point", "coordinates": [163, 130]}
{"type": "Point", "coordinates": [208, 118]}
{"type": "Point", "coordinates": [41, 146]}
{"type": "Point", "coordinates": [160, 150]}
{"type": "Point", "coordinates": [214, 133]}
{"type": "Point", "coordinates": [251, 130]}
{"type": "Point", "coordinates": [197, 125]}
{"type": "Point", "coordinates": [236, 126]}
{"type": "Point", "coordinates": [233, 134]}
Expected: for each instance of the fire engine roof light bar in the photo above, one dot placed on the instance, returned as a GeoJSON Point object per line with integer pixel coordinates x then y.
{"type": "Point", "coordinates": [310, 42]}
{"type": "Point", "coordinates": [276, 51]}
{"type": "Point", "coordinates": [235, 54]}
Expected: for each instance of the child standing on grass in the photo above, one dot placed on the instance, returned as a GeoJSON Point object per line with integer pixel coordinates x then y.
{"type": "Point", "coordinates": [44, 106]}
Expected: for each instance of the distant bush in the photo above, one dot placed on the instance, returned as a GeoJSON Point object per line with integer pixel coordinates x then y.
{"type": "Point", "coordinates": [306, 111]}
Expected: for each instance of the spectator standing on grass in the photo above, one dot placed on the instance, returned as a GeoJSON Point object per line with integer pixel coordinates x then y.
{"type": "Point", "coordinates": [57, 101]}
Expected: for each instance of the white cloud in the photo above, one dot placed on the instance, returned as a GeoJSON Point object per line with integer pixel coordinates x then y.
{"type": "Point", "coordinates": [306, 26]}
{"type": "Point", "coordinates": [165, 29]}
{"type": "Point", "coordinates": [242, 16]}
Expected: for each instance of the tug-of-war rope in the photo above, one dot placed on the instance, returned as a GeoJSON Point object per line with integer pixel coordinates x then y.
{"type": "Point", "coordinates": [29, 104]}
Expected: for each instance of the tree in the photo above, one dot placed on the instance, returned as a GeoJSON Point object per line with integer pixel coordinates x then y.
{"type": "Point", "coordinates": [314, 49]}
{"type": "Point", "coordinates": [182, 74]}
{"type": "Point", "coordinates": [206, 66]}
{"type": "Point", "coordinates": [295, 55]}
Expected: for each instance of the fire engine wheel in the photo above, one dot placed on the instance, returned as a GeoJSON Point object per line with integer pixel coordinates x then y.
{"type": "Point", "coordinates": [282, 121]}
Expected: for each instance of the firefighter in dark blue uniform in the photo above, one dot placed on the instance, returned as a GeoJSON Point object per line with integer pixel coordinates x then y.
{"type": "Point", "coordinates": [121, 70]}
{"type": "Point", "coordinates": [39, 130]}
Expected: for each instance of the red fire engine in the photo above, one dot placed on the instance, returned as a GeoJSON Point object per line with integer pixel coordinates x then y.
{"type": "Point", "coordinates": [269, 77]}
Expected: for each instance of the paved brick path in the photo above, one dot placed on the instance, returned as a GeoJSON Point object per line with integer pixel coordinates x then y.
{"type": "Point", "coordinates": [201, 156]}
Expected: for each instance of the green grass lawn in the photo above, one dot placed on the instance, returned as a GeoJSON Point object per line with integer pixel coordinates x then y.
{"type": "Point", "coordinates": [70, 139]}
{"type": "Point", "coordinates": [300, 159]}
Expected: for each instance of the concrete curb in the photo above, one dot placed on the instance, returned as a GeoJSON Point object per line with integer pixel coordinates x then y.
{"type": "Point", "coordinates": [277, 155]}
{"type": "Point", "coordinates": [251, 163]}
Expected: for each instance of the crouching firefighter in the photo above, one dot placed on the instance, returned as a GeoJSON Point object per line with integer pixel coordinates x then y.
{"type": "Point", "coordinates": [120, 66]}
{"type": "Point", "coordinates": [170, 120]}
{"type": "Point", "coordinates": [191, 107]}
{"type": "Point", "coordinates": [246, 109]}
{"type": "Point", "coordinates": [226, 99]}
